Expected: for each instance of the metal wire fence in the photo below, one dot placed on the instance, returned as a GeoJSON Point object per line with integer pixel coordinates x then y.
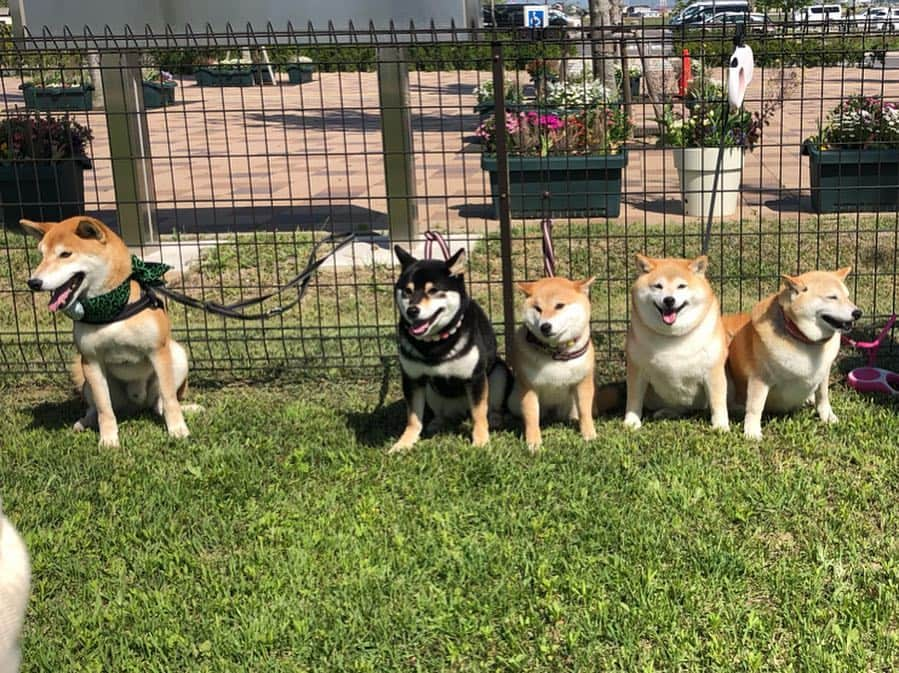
{"type": "Point", "coordinates": [229, 155]}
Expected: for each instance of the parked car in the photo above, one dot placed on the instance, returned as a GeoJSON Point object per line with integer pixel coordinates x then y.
{"type": "Point", "coordinates": [754, 22]}
{"type": "Point", "coordinates": [696, 13]}
{"type": "Point", "coordinates": [641, 12]}
{"type": "Point", "coordinates": [818, 14]}
{"type": "Point", "coordinates": [511, 15]}
{"type": "Point", "coordinates": [878, 19]}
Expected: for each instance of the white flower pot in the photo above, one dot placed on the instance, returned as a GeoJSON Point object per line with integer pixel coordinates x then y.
{"type": "Point", "coordinates": [696, 170]}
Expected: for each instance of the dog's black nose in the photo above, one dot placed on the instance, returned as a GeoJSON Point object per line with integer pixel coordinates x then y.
{"type": "Point", "coordinates": [35, 284]}
{"type": "Point", "coordinates": [546, 328]}
{"type": "Point", "coordinates": [669, 302]}
{"type": "Point", "coordinates": [856, 314]}
{"type": "Point", "coordinates": [413, 311]}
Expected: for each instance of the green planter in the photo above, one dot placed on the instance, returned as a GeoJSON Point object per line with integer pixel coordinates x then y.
{"type": "Point", "coordinates": [853, 180]}
{"type": "Point", "coordinates": [634, 83]}
{"type": "Point", "coordinates": [41, 190]}
{"type": "Point", "coordinates": [159, 94]}
{"type": "Point", "coordinates": [58, 97]}
{"type": "Point", "coordinates": [300, 73]}
{"type": "Point", "coordinates": [215, 75]}
{"type": "Point", "coordinates": [575, 186]}
{"type": "Point", "coordinates": [261, 74]}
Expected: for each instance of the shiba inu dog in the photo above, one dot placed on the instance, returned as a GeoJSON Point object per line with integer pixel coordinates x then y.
{"type": "Point", "coordinates": [447, 349]}
{"type": "Point", "coordinates": [15, 578]}
{"type": "Point", "coordinates": [676, 345]}
{"type": "Point", "coordinates": [552, 357]}
{"type": "Point", "coordinates": [127, 359]}
{"type": "Point", "coordinates": [781, 353]}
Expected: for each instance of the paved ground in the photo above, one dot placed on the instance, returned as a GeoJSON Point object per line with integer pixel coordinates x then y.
{"type": "Point", "coordinates": [287, 155]}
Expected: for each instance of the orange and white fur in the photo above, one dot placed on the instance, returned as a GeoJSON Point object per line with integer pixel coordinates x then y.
{"type": "Point", "coordinates": [549, 382]}
{"type": "Point", "coordinates": [782, 352]}
{"type": "Point", "coordinates": [15, 579]}
{"type": "Point", "coordinates": [676, 344]}
{"type": "Point", "coordinates": [122, 366]}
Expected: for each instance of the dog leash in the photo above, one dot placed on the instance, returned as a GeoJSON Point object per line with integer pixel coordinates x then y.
{"type": "Point", "coordinates": [432, 237]}
{"type": "Point", "coordinates": [300, 281]}
{"type": "Point", "coordinates": [549, 256]}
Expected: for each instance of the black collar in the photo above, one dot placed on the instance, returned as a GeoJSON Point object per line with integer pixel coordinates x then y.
{"type": "Point", "coordinates": [557, 353]}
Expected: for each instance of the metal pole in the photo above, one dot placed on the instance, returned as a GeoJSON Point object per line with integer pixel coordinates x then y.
{"type": "Point", "coordinates": [129, 147]}
{"type": "Point", "coordinates": [396, 134]}
{"type": "Point", "coordinates": [502, 177]}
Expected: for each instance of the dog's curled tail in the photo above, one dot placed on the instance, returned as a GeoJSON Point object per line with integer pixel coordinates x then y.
{"type": "Point", "coordinates": [609, 397]}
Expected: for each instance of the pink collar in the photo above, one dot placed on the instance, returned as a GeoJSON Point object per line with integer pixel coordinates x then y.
{"type": "Point", "coordinates": [794, 331]}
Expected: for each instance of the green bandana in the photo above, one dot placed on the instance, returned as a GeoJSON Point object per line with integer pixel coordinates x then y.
{"type": "Point", "coordinates": [106, 307]}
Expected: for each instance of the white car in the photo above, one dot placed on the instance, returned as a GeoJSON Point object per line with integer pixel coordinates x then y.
{"type": "Point", "coordinates": [878, 19]}
{"type": "Point", "coordinates": [818, 14]}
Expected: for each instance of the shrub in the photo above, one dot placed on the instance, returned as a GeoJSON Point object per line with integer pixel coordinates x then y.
{"type": "Point", "coordinates": [860, 122]}
{"type": "Point", "coordinates": [24, 137]}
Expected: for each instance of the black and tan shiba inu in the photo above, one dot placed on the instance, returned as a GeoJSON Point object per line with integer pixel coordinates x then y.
{"type": "Point", "coordinates": [447, 349]}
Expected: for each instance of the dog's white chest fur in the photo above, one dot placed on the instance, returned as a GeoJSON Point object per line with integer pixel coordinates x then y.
{"type": "Point", "coordinates": [450, 367]}
{"type": "Point", "coordinates": [796, 371]}
{"type": "Point", "coordinates": [554, 381]}
{"type": "Point", "coordinates": [15, 574]}
{"type": "Point", "coordinates": [678, 367]}
{"type": "Point", "coordinates": [121, 346]}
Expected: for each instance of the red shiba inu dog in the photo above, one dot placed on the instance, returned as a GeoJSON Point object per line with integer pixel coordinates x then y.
{"type": "Point", "coordinates": [552, 357]}
{"type": "Point", "coordinates": [676, 344]}
{"type": "Point", "coordinates": [781, 353]}
{"type": "Point", "coordinates": [127, 358]}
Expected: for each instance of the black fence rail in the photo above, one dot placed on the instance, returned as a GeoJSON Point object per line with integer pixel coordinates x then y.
{"type": "Point", "coordinates": [229, 155]}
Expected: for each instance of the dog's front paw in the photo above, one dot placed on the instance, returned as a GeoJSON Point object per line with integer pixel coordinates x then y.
{"type": "Point", "coordinates": [401, 446]}
{"type": "Point", "coordinates": [79, 425]}
{"type": "Point", "coordinates": [721, 424]}
{"type": "Point", "coordinates": [480, 437]}
{"type": "Point", "coordinates": [752, 432]}
{"type": "Point", "coordinates": [632, 421]}
{"type": "Point", "coordinates": [535, 446]}
{"type": "Point", "coordinates": [827, 416]}
{"type": "Point", "coordinates": [109, 441]}
{"type": "Point", "coordinates": [589, 434]}
{"type": "Point", "coordinates": [179, 431]}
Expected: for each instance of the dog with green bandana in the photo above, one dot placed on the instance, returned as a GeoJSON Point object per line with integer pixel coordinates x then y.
{"type": "Point", "coordinates": [127, 359]}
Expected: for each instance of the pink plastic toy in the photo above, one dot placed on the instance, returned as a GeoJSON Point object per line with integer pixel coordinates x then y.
{"type": "Point", "coordinates": [871, 379]}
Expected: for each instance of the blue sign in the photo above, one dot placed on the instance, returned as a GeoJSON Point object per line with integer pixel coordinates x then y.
{"type": "Point", "coordinates": [536, 16]}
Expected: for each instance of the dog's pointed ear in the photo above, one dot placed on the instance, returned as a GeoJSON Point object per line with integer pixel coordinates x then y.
{"type": "Point", "coordinates": [36, 229]}
{"type": "Point", "coordinates": [90, 229]}
{"type": "Point", "coordinates": [842, 273]}
{"type": "Point", "coordinates": [644, 264]}
{"type": "Point", "coordinates": [456, 263]}
{"type": "Point", "coordinates": [793, 283]}
{"type": "Point", "coordinates": [699, 265]}
{"type": "Point", "coordinates": [584, 285]}
{"type": "Point", "coordinates": [406, 260]}
{"type": "Point", "coordinates": [527, 288]}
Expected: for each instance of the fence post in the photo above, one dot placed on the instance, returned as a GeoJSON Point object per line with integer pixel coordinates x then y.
{"type": "Point", "coordinates": [502, 176]}
{"type": "Point", "coordinates": [129, 147]}
{"type": "Point", "coordinates": [396, 135]}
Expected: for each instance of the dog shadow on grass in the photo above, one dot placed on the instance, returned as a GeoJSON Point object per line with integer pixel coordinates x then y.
{"type": "Point", "coordinates": [56, 415]}
{"type": "Point", "coordinates": [379, 426]}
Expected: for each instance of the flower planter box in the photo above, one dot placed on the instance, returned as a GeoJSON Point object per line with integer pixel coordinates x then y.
{"type": "Point", "coordinates": [853, 180]}
{"type": "Point", "coordinates": [224, 76]}
{"type": "Point", "coordinates": [300, 73]}
{"type": "Point", "coordinates": [577, 186]}
{"type": "Point", "coordinates": [58, 97]}
{"type": "Point", "coordinates": [41, 190]}
{"type": "Point", "coordinates": [634, 83]}
{"type": "Point", "coordinates": [696, 170]}
{"type": "Point", "coordinates": [159, 94]}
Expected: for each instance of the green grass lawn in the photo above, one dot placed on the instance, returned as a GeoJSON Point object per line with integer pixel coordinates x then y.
{"type": "Point", "coordinates": [280, 537]}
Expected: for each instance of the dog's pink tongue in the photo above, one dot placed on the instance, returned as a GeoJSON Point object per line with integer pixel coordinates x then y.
{"type": "Point", "coordinates": [669, 318]}
{"type": "Point", "coordinates": [421, 328]}
{"type": "Point", "coordinates": [57, 300]}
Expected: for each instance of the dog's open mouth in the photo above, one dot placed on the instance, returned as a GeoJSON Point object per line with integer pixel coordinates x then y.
{"type": "Point", "coordinates": [62, 296]}
{"type": "Point", "coordinates": [420, 327]}
{"type": "Point", "coordinates": [669, 313]}
{"type": "Point", "coordinates": [839, 325]}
